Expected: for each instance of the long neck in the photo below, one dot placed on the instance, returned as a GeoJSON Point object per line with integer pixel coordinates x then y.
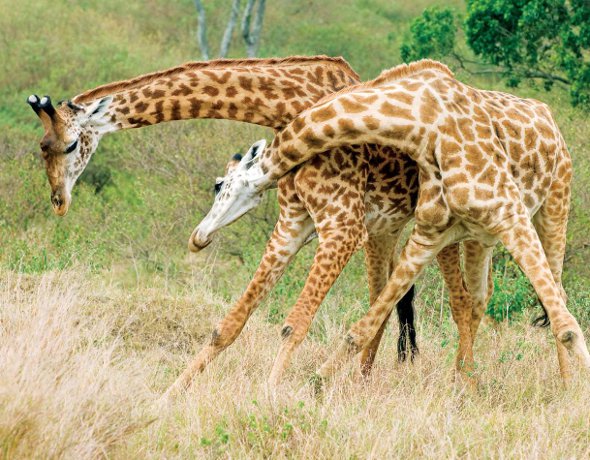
{"type": "Point", "coordinates": [369, 116]}
{"type": "Point", "coordinates": [265, 92]}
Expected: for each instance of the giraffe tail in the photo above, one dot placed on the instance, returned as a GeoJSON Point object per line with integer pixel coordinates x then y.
{"type": "Point", "coordinates": [407, 331]}
{"type": "Point", "coordinates": [543, 320]}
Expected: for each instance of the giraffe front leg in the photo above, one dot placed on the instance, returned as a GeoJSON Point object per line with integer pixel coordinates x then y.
{"type": "Point", "coordinates": [333, 253]}
{"type": "Point", "coordinates": [417, 253]}
{"type": "Point", "coordinates": [281, 248]}
{"type": "Point", "coordinates": [461, 309]}
{"type": "Point", "coordinates": [523, 243]}
{"type": "Point", "coordinates": [380, 261]}
{"type": "Point", "coordinates": [479, 280]}
{"type": "Point", "coordinates": [378, 255]}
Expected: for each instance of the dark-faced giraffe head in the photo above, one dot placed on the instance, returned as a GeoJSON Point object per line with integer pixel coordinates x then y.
{"type": "Point", "coordinates": [71, 136]}
{"type": "Point", "coordinates": [235, 194]}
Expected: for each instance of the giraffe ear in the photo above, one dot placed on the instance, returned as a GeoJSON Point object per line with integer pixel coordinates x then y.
{"type": "Point", "coordinates": [253, 152]}
{"type": "Point", "coordinates": [96, 109]}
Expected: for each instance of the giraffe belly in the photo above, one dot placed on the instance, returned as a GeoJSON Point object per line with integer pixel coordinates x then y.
{"type": "Point", "coordinates": [391, 191]}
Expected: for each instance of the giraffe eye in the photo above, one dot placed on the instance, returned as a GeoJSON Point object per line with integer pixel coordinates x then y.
{"type": "Point", "coordinates": [72, 147]}
{"type": "Point", "coordinates": [218, 186]}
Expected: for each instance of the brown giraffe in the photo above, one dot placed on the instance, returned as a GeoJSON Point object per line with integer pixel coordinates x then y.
{"type": "Point", "coordinates": [487, 162]}
{"type": "Point", "coordinates": [269, 92]}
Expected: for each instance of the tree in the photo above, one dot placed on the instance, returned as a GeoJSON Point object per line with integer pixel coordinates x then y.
{"type": "Point", "coordinates": [540, 40]}
{"type": "Point", "coordinates": [432, 35]}
{"type": "Point", "coordinates": [250, 28]}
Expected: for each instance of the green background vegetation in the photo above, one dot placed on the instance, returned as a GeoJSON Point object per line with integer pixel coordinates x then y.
{"type": "Point", "coordinates": [145, 190]}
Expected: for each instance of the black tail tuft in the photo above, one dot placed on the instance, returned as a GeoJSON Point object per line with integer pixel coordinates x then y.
{"type": "Point", "coordinates": [543, 320]}
{"type": "Point", "coordinates": [407, 331]}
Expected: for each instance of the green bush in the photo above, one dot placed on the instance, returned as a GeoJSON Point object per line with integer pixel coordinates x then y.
{"type": "Point", "coordinates": [513, 293]}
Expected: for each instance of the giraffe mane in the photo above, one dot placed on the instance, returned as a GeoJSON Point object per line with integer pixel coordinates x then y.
{"type": "Point", "coordinates": [123, 85]}
{"type": "Point", "coordinates": [389, 75]}
{"type": "Point", "coordinates": [406, 70]}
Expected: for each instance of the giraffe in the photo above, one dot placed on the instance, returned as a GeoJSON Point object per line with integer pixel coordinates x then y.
{"type": "Point", "coordinates": [268, 92]}
{"type": "Point", "coordinates": [487, 162]}
{"type": "Point", "coordinates": [377, 200]}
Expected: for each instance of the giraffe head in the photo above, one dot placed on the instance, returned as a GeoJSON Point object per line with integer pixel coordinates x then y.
{"type": "Point", "coordinates": [235, 194]}
{"type": "Point", "coordinates": [71, 136]}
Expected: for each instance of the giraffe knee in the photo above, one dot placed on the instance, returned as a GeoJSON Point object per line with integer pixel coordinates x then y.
{"type": "Point", "coordinates": [460, 300]}
{"type": "Point", "coordinates": [222, 336]}
{"type": "Point", "coordinates": [215, 338]}
{"type": "Point", "coordinates": [286, 332]}
{"type": "Point", "coordinates": [354, 342]}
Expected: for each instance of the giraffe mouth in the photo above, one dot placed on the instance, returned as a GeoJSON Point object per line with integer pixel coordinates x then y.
{"type": "Point", "coordinates": [196, 244]}
{"type": "Point", "coordinates": [60, 211]}
{"type": "Point", "coordinates": [60, 204]}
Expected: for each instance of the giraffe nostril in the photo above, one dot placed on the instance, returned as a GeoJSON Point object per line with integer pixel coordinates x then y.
{"type": "Point", "coordinates": [57, 201]}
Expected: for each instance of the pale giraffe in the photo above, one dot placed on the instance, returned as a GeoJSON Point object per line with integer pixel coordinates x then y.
{"type": "Point", "coordinates": [268, 92]}
{"type": "Point", "coordinates": [487, 162]}
{"type": "Point", "coordinates": [368, 204]}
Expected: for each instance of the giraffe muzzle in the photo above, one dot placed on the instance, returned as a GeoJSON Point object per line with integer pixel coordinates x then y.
{"type": "Point", "coordinates": [197, 242]}
{"type": "Point", "coordinates": [60, 204]}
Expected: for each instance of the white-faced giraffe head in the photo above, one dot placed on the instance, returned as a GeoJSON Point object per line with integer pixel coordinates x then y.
{"type": "Point", "coordinates": [235, 194]}
{"type": "Point", "coordinates": [71, 136]}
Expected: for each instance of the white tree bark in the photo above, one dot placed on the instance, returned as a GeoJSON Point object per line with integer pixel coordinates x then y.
{"type": "Point", "coordinates": [251, 27]}
{"type": "Point", "coordinates": [202, 30]}
{"type": "Point", "coordinates": [227, 35]}
{"type": "Point", "coordinates": [251, 34]}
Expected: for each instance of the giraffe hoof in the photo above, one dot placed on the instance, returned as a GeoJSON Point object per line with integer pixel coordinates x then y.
{"type": "Point", "coordinates": [196, 246]}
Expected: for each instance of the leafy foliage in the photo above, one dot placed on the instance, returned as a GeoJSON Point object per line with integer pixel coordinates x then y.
{"type": "Point", "coordinates": [432, 35]}
{"type": "Point", "coordinates": [513, 293]}
{"type": "Point", "coordinates": [536, 40]}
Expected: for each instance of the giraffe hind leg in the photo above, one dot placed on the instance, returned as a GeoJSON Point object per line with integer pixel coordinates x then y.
{"type": "Point", "coordinates": [478, 279]}
{"type": "Point", "coordinates": [523, 243]}
{"type": "Point", "coordinates": [461, 309]}
{"type": "Point", "coordinates": [551, 225]}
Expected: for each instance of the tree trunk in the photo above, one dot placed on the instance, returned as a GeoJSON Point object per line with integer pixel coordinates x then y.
{"type": "Point", "coordinates": [227, 35]}
{"type": "Point", "coordinates": [202, 30]}
{"type": "Point", "coordinates": [251, 34]}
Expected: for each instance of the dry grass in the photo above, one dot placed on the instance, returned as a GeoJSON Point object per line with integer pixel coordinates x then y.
{"type": "Point", "coordinates": [80, 376]}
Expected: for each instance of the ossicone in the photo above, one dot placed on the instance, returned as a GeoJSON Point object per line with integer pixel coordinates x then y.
{"type": "Point", "coordinates": [41, 104]}
{"type": "Point", "coordinates": [33, 100]}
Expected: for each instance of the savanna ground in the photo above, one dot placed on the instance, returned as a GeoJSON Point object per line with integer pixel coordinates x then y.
{"type": "Point", "coordinates": [100, 310]}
